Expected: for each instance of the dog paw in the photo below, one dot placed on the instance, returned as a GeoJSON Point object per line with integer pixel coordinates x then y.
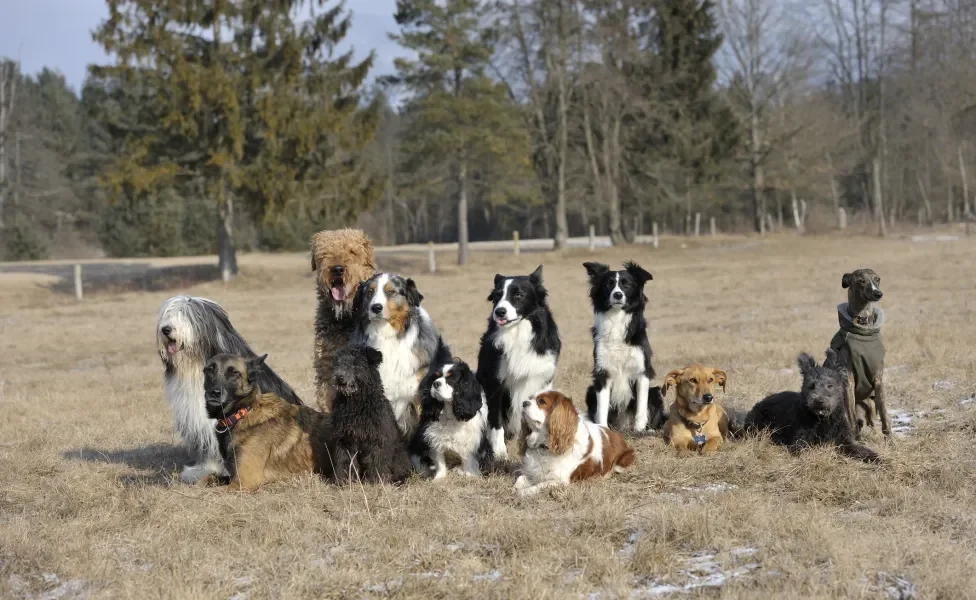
{"type": "Point", "coordinates": [441, 474]}
{"type": "Point", "coordinates": [640, 426]}
{"type": "Point", "coordinates": [195, 473]}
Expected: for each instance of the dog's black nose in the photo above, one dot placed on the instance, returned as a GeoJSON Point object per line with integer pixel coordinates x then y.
{"type": "Point", "coordinates": [501, 311]}
{"type": "Point", "coordinates": [878, 294]}
{"type": "Point", "coordinates": [214, 393]}
{"type": "Point", "coordinates": [376, 308]}
{"type": "Point", "coordinates": [618, 295]}
{"type": "Point", "coordinates": [337, 269]}
{"type": "Point", "coordinates": [437, 384]}
{"type": "Point", "coordinates": [166, 329]}
{"type": "Point", "coordinates": [526, 404]}
{"type": "Point", "coordinates": [340, 380]}
{"type": "Point", "coordinates": [707, 398]}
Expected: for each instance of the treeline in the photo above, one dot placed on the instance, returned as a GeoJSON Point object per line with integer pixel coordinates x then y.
{"type": "Point", "coordinates": [224, 125]}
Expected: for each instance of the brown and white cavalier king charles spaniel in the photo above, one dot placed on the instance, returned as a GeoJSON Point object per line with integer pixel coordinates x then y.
{"type": "Point", "coordinates": [562, 447]}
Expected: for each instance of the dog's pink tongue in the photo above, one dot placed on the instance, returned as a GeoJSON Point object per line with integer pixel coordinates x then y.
{"type": "Point", "coordinates": [171, 347]}
{"type": "Point", "coordinates": [338, 294]}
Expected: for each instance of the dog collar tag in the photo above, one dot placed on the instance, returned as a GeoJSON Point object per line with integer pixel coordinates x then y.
{"type": "Point", "coordinates": [700, 439]}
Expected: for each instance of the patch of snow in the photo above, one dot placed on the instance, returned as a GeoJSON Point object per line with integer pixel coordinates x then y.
{"type": "Point", "coordinates": [896, 588]}
{"type": "Point", "coordinates": [901, 421]}
{"type": "Point", "coordinates": [711, 488]}
{"type": "Point", "coordinates": [630, 546]}
{"type": "Point", "coordinates": [943, 386]}
{"type": "Point", "coordinates": [73, 588]}
{"type": "Point", "coordinates": [383, 588]}
{"type": "Point", "coordinates": [243, 581]}
{"type": "Point", "coordinates": [432, 574]}
{"type": "Point", "coordinates": [968, 400]}
{"type": "Point", "coordinates": [701, 571]}
{"type": "Point", "coordinates": [454, 547]}
{"type": "Point", "coordinates": [492, 576]}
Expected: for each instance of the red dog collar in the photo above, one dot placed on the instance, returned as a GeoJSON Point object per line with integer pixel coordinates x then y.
{"type": "Point", "coordinates": [230, 421]}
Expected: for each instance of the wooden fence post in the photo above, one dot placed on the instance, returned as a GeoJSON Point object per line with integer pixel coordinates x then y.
{"type": "Point", "coordinates": [697, 223]}
{"type": "Point", "coordinates": [654, 233]}
{"type": "Point", "coordinates": [592, 238]}
{"type": "Point", "coordinates": [515, 243]}
{"type": "Point", "coordinates": [842, 217]}
{"type": "Point", "coordinates": [711, 225]}
{"type": "Point", "coordinates": [431, 258]}
{"type": "Point", "coordinates": [78, 289]}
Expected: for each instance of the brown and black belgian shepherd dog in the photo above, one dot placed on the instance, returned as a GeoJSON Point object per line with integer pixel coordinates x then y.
{"type": "Point", "coordinates": [262, 437]}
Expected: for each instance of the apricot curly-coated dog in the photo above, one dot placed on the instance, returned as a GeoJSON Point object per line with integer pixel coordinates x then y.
{"type": "Point", "coordinates": [696, 421]}
{"type": "Point", "coordinates": [342, 258]}
{"type": "Point", "coordinates": [262, 437]}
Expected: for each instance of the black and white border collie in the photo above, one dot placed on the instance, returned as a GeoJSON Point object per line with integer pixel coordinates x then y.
{"type": "Point", "coordinates": [518, 353]}
{"type": "Point", "coordinates": [453, 420]}
{"type": "Point", "coordinates": [621, 394]}
{"type": "Point", "coordinates": [391, 320]}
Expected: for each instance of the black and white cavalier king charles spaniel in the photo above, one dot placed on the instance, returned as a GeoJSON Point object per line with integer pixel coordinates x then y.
{"type": "Point", "coordinates": [391, 320]}
{"type": "Point", "coordinates": [453, 420]}
{"type": "Point", "coordinates": [518, 354]}
{"type": "Point", "coordinates": [621, 394]}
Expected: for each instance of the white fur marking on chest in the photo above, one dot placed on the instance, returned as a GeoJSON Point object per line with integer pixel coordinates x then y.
{"type": "Point", "coordinates": [623, 363]}
{"type": "Point", "coordinates": [398, 371]}
{"type": "Point", "coordinates": [521, 369]}
{"type": "Point", "coordinates": [541, 465]}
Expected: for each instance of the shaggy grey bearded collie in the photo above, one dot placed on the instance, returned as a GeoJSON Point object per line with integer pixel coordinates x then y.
{"type": "Point", "coordinates": [189, 332]}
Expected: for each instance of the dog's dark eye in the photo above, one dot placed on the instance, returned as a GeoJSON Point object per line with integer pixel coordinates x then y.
{"type": "Point", "coordinates": [231, 372]}
{"type": "Point", "coordinates": [710, 380]}
{"type": "Point", "coordinates": [693, 380]}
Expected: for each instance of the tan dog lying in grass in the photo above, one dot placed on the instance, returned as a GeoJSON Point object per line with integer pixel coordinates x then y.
{"type": "Point", "coordinates": [695, 422]}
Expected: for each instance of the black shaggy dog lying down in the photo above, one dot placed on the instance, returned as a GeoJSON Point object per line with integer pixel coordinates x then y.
{"type": "Point", "coordinates": [816, 415]}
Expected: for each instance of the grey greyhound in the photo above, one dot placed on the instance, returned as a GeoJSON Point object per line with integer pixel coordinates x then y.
{"type": "Point", "coordinates": [860, 347]}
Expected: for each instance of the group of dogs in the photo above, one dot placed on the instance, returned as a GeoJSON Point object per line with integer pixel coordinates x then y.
{"type": "Point", "coordinates": [393, 399]}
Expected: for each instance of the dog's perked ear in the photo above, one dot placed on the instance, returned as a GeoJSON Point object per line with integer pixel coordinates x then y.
{"type": "Point", "coordinates": [595, 270]}
{"type": "Point", "coordinates": [806, 363]}
{"type": "Point", "coordinates": [373, 356]}
{"type": "Point", "coordinates": [498, 281]}
{"type": "Point", "coordinates": [467, 393]}
{"type": "Point", "coordinates": [536, 276]}
{"type": "Point", "coordinates": [846, 280]}
{"type": "Point", "coordinates": [671, 380]}
{"type": "Point", "coordinates": [834, 362]}
{"type": "Point", "coordinates": [414, 297]}
{"type": "Point", "coordinates": [359, 300]}
{"type": "Point", "coordinates": [720, 377]}
{"type": "Point", "coordinates": [255, 362]}
{"type": "Point", "coordinates": [637, 272]}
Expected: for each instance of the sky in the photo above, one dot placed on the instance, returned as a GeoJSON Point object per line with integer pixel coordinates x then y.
{"type": "Point", "coordinates": [57, 34]}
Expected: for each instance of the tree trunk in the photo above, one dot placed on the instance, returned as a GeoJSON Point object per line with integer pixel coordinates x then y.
{"type": "Point", "coordinates": [391, 210]}
{"type": "Point", "coordinates": [562, 225]}
{"type": "Point", "coordinates": [758, 176]}
{"type": "Point", "coordinates": [834, 193]}
{"type": "Point", "coordinates": [8, 96]}
{"type": "Point", "coordinates": [965, 183]}
{"type": "Point", "coordinates": [462, 210]}
{"type": "Point", "coordinates": [799, 212]}
{"type": "Point", "coordinates": [878, 199]}
{"type": "Point", "coordinates": [925, 198]}
{"type": "Point", "coordinates": [226, 251]}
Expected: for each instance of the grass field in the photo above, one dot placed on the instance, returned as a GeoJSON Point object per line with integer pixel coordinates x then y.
{"type": "Point", "coordinates": [90, 505]}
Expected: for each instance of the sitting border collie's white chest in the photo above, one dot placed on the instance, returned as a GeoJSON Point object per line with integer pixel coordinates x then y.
{"type": "Point", "coordinates": [623, 362]}
{"type": "Point", "coordinates": [521, 369]}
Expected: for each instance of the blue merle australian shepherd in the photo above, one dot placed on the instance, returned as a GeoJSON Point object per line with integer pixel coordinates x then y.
{"type": "Point", "coordinates": [391, 320]}
{"type": "Point", "coordinates": [621, 395]}
{"type": "Point", "coordinates": [518, 353]}
{"type": "Point", "coordinates": [189, 332]}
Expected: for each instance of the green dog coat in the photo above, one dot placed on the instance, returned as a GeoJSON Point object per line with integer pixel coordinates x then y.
{"type": "Point", "coordinates": [865, 345]}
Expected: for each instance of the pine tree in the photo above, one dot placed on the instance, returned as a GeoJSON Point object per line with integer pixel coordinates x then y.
{"type": "Point", "coordinates": [459, 116]}
{"type": "Point", "coordinates": [248, 101]}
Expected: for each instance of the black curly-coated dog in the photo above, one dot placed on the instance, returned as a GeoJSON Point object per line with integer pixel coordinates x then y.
{"type": "Point", "coordinates": [816, 415]}
{"type": "Point", "coordinates": [367, 442]}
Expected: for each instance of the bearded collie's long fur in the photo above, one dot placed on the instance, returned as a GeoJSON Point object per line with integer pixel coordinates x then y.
{"type": "Point", "coordinates": [189, 332]}
{"type": "Point", "coordinates": [518, 353]}
{"type": "Point", "coordinates": [391, 320]}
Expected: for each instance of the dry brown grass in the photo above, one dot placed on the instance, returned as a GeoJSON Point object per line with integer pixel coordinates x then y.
{"type": "Point", "coordinates": [90, 503]}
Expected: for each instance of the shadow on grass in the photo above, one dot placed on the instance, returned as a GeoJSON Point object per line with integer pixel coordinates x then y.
{"type": "Point", "coordinates": [161, 460]}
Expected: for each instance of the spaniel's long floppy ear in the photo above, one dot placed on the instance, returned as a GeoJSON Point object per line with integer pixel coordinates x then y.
{"type": "Point", "coordinates": [720, 377]}
{"type": "Point", "coordinates": [467, 393]}
{"type": "Point", "coordinates": [563, 420]}
{"type": "Point", "coordinates": [671, 380]}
